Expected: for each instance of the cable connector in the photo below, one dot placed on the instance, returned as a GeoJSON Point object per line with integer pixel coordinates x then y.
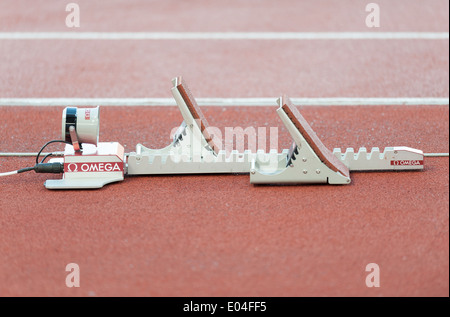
{"type": "Point", "coordinates": [55, 168]}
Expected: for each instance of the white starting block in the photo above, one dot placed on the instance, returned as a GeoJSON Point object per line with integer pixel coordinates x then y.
{"type": "Point", "coordinates": [193, 150]}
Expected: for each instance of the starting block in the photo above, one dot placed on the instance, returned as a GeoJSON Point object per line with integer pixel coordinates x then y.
{"type": "Point", "coordinates": [194, 150]}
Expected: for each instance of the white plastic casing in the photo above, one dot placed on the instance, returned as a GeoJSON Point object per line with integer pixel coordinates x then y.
{"type": "Point", "coordinates": [87, 125]}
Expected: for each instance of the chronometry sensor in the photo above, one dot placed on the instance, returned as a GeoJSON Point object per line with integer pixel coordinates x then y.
{"type": "Point", "coordinates": [84, 122]}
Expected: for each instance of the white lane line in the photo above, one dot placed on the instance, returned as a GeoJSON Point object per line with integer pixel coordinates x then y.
{"type": "Point", "coordinates": [223, 102]}
{"type": "Point", "coordinates": [223, 35]}
{"type": "Point", "coordinates": [33, 154]}
{"type": "Point", "coordinates": [28, 154]}
{"type": "Point", "coordinates": [435, 154]}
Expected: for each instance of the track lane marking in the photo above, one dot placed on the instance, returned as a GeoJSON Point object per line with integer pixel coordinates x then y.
{"type": "Point", "coordinates": [224, 35]}
{"type": "Point", "coordinates": [224, 102]}
{"type": "Point", "coordinates": [33, 154]}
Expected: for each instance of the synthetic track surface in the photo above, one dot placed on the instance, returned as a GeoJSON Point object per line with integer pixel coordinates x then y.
{"type": "Point", "coordinates": [218, 235]}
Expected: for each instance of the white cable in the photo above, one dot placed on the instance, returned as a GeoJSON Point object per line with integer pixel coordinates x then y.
{"type": "Point", "coordinates": [8, 173]}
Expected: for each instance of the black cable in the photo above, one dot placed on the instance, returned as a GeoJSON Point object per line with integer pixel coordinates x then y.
{"type": "Point", "coordinates": [49, 154]}
{"type": "Point", "coordinates": [42, 167]}
{"type": "Point", "coordinates": [50, 142]}
{"type": "Point", "coordinates": [49, 168]}
{"type": "Point", "coordinates": [26, 169]}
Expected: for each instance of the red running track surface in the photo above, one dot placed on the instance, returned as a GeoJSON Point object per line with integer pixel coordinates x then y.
{"type": "Point", "coordinates": [212, 235]}
{"type": "Point", "coordinates": [218, 235]}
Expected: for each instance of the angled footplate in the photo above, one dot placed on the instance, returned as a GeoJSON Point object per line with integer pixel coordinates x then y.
{"type": "Point", "coordinates": [193, 149]}
{"type": "Point", "coordinates": [308, 160]}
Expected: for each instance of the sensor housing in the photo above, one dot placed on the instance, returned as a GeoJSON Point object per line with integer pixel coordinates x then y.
{"type": "Point", "coordinates": [85, 122]}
